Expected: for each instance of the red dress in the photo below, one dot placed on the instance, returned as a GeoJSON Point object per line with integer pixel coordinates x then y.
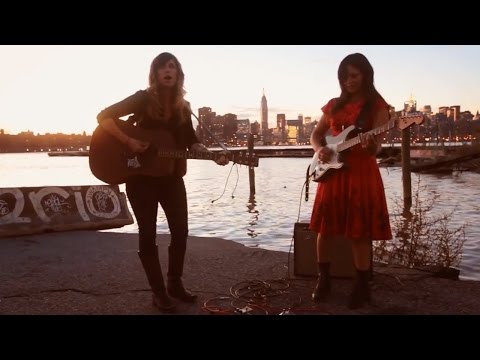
{"type": "Point", "coordinates": [351, 201]}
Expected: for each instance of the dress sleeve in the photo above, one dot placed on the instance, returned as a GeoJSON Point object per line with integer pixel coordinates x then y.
{"type": "Point", "coordinates": [327, 109]}
{"type": "Point", "coordinates": [132, 104]}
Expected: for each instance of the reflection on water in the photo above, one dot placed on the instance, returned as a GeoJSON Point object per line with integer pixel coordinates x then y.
{"type": "Point", "coordinates": [254, 219]}
{"type": "Point", "coordinates": [217, 197]}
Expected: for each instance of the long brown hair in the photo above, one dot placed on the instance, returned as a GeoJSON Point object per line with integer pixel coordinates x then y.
{"type": "Point", "coordinates": [361, 63]}
{"type": "Point", "coordinates": [155, 109]}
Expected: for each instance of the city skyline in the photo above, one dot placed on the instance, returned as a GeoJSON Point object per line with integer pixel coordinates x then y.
{"type": "Point", "coordinates": [62, 88]}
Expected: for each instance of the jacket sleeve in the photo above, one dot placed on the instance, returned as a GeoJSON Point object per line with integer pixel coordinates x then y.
{"type": "Point", "coordinates": [190, 136]}
{"type": "Point", "coordinates": [132, 104]}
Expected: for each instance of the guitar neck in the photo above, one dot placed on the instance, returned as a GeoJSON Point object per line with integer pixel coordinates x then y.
{"type": "Point", "coordinates": [240, 158]}
{"type": "Point", "coordinates": [356, 140]}
{"type": "Point", "coordinates": [181, 154]}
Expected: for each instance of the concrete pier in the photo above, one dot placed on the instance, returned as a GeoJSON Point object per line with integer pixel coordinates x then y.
{"type": "Point", "coordinates": [95, 272]}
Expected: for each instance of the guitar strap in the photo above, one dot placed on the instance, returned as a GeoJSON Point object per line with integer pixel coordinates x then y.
{"type": "Point", "coordinates": [209, 132]}
{"type": "Point", "coordinates": [362, 116]}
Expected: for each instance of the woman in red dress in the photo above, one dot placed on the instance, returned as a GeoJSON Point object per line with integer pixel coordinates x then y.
{"type": "Point", "coordinates": [350, 201]}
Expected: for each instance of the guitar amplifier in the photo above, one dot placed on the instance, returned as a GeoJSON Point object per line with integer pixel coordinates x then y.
{"type": "Point", "coordinates": [305, 254]}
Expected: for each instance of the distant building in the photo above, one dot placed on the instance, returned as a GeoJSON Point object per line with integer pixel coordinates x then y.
{"type": "Point", "coordinates": [230, 121]}
{"type": "Point", "coordinates": [281, 127]}
{"type": "Point", "coordinates": [255, 128]}
{"type": "Point", "coordinates": [300, 118]}
{"type": "Point", "coordinates": [454, 112]}
{"type": "Point", "coordinates": [243, 131]}
{"type": "Point", "coordinates": [281, 122]}
{"type": "Point", "coordinates": [264, 112]}
{"type": "Point", "coordinates": [427, 110]}
{"type": "Point", "coordinates": [477, 116]}
{"type": "Point", "coordinates": [410, 105]}
{"type": "Point", "coordinates": [443, 110]}
{"type": "Point", "coordinates": [293, 131]}
{"type": "Point", "coordinates": [207, 118]}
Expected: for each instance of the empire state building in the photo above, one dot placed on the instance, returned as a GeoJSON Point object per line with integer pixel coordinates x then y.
{"type": "Point", "coordinates": [264, 117]}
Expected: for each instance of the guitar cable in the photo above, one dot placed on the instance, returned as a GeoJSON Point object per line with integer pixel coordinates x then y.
{"type": "Point", "coordinates": [226, 183]}
{"type": "Point", "coordinates": [307, 183]}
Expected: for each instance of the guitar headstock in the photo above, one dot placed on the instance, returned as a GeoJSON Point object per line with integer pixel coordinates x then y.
{"type": "Point", "coordinates": [244, 158]}
{"type": "Point", "coordinates": [405, 121]}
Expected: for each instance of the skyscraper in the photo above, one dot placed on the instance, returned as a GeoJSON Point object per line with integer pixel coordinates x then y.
{"type": "Point", "coordinates": [264, 118]}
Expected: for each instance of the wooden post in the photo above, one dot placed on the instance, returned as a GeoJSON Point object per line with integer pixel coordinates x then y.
{"type": "Point", "coordinates": [251, 171]}
{"type": "Point", "coordinates": [406, 171]}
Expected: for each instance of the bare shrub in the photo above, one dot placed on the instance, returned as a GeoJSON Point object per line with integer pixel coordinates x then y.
{"type": "Point", "coordinates": [421, 238]}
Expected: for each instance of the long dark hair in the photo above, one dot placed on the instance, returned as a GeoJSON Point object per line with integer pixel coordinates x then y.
{"type": "Point", "coordinates": [155, 108]}
{"type": "Point", "coordinates": [361, 63]}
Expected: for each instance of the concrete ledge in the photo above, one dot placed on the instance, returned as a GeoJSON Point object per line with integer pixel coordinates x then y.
{"type": "Point", "coordinates": [32, 210]}
{"type": "Point", "coordinates": [427, 153]}
{"type": "Point", "coordinates": [99, 273]}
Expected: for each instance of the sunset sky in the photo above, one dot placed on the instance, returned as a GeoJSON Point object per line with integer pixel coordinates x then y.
{"type": "Point", "coordinates": [53, 89]}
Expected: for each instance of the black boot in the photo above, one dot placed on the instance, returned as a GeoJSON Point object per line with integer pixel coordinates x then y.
{"type": "Point", "coordinates": [176, 258]}
{"type": "Point", "coordinates": [361, 290]}
{"type": "Point", "coordinates": [153, 270]}
{"type": "Point", "coordinates": [322, 289]}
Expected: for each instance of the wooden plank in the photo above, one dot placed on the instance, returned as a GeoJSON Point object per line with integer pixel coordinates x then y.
{"type": "Point", "coordinates": [446, 162]}
{"type": "Point", "coordinates": [427, 153]}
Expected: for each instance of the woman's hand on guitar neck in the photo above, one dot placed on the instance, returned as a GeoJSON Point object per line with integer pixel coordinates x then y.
{"type": "Point", "coordinates": [221, 159]}
{"type": "Point", "coordinates": [199, 147]}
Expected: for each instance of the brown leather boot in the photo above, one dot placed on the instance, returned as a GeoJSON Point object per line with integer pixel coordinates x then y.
{"type": "Point", "coordinates": [163, 302]}
{"type": "Point", "coordinates": [153, 270]}
{"type": "Point", "coordinates": [176, 258]}
{"type": "Point", "coordinates": [361, 290]}
{"type": "Point", "coordinates": [322, 289]}
{"type": "Point", "coordinates": [175, 289]}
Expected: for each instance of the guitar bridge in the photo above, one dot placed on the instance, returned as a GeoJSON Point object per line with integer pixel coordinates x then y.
{"type": "Point", "coordinates": [133, 163]}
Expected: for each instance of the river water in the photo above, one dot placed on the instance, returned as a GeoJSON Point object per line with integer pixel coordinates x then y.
{"type": "Point", "coordinates": [220, 203]}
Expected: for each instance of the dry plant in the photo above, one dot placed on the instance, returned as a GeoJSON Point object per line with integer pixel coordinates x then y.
{"type": "Point", "coordinates": [421, 238]}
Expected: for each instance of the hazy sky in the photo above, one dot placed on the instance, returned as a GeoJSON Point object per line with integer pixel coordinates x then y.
{"type": "Point", "coordinates": [62, 88]}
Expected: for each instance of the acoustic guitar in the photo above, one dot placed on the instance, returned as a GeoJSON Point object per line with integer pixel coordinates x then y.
{"type": "Point", "coordinates": [112, 162]}
{"type": "Point", "coordinates": [348, 138]}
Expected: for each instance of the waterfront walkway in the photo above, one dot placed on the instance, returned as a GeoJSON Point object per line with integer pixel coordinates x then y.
{"type": "Point", "coordinates": [91, 272]}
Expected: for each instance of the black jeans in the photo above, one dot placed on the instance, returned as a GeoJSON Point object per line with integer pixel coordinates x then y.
{"type": "Point", "coordinates": [144, 194]}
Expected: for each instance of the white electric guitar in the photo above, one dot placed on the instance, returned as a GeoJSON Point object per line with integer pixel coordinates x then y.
{"type": "Point", "coordinates": [345, 140]}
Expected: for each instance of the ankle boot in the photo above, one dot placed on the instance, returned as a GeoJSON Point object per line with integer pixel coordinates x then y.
{"type": "Point", "coordinates": [322, 289]}
{"type": "Point", "coordinates": [361, 290]}
{"type": "Point", "coordinates": [162, 301]}
{"type": "Point", "coordinates": [176, 258]}
{"type": "Point", "coordinates": [175, 289]}
{"type": "Point", "coordinates": [153, 270]}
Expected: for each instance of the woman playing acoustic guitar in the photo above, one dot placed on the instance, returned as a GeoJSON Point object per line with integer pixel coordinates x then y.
{"type": "Point", "coordinates": [160, 107]}
{"type": "Point", "coordinates": [350, 202]}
